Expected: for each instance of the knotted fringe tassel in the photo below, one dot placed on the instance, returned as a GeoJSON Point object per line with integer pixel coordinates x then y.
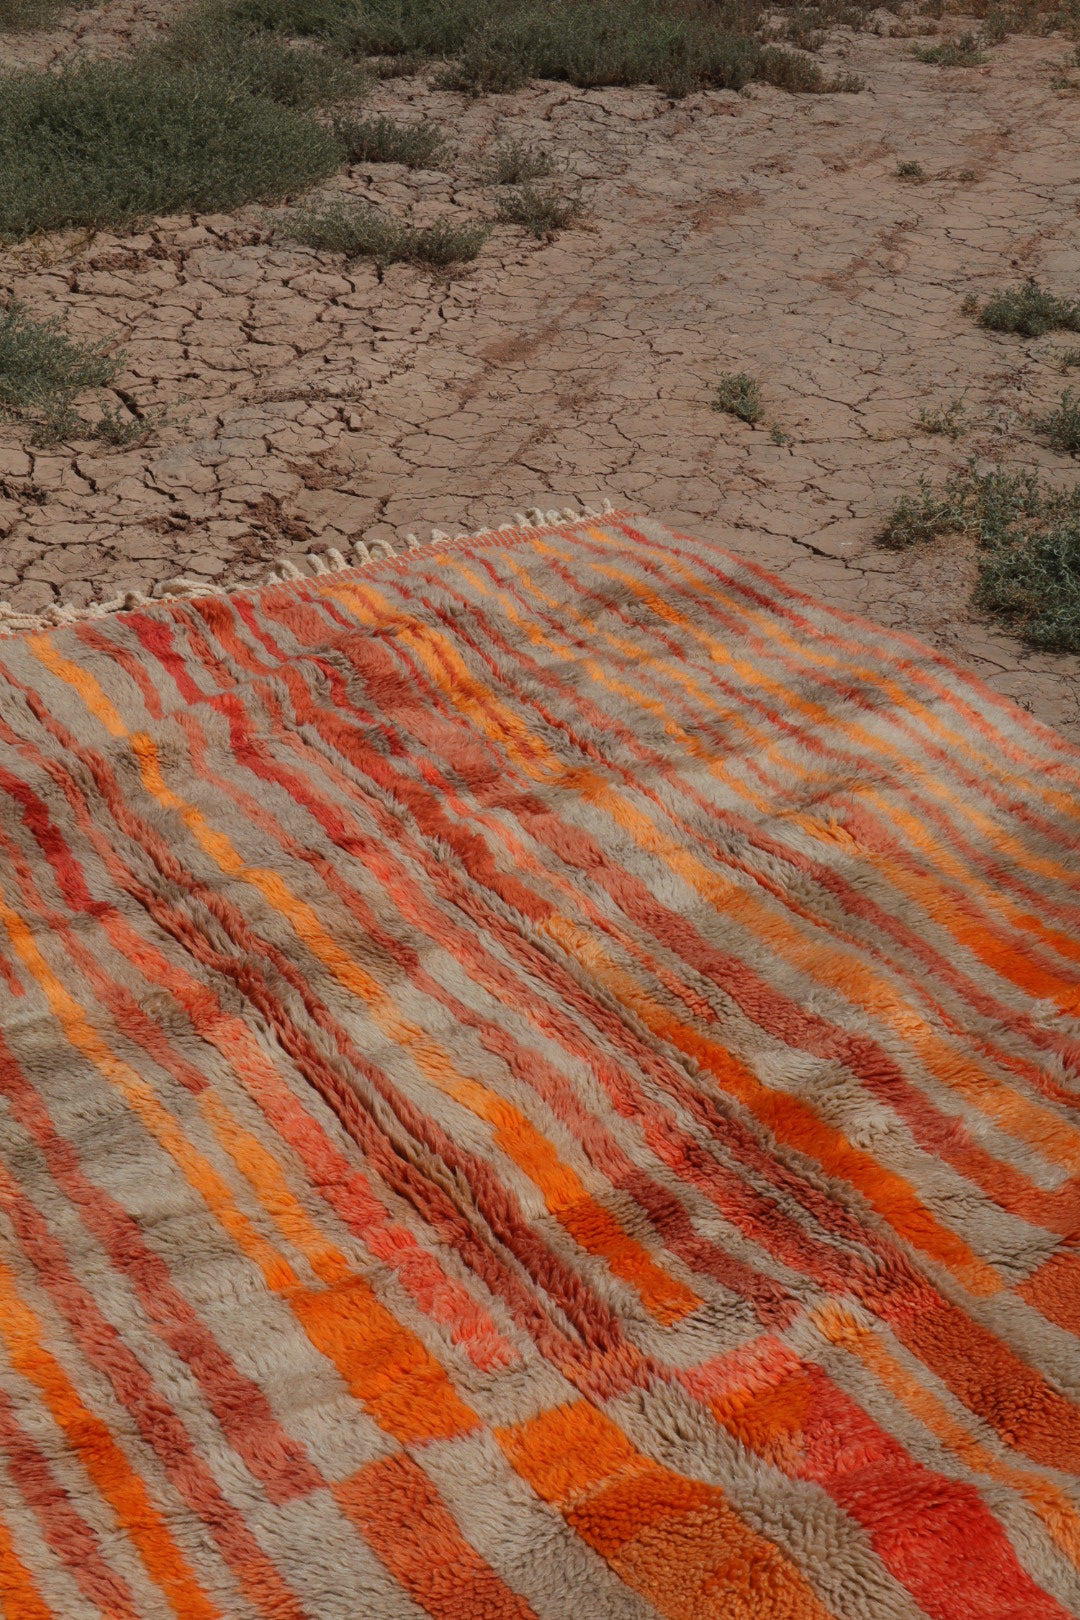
{"type": "Point", "coordinates": [331, 561]}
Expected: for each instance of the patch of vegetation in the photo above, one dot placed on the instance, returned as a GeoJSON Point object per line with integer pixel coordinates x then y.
{"type": "Point", "coordinates": [43, 371]}
{"type": "Point", "coordinates": [1029, 310]}
{"type": "Point", "coordinates": [513, 163]}
{"type": "Point", "coordinates": [963, 51]}
{"type": "Point", "coordinates": [910, 170]}
{"type": "Point", "coordinates": [948, 419]}
{"type": "Point", "coordinates": [1062, 427]}
{"type": "Point", "coordinates": [1070, 358]}
{"type": "Point", "coordinates": [362, 232]}
{"type": "Point", "coordinates": [497, 45]}
{"type": "Point", "coordinates": [999, 17]}
{"type": "Point", "coordinates": [738, 394]}
{"type": "Point", "coordinates": [381, 140]}
{"type": "Point", "coordinates": [18, 15]}
{"type": "Point", "coordinates": [122, 429]}
{"type": "Point", "coordinates": [291, 70]}
{"type": "Point", "coordinates": [803, 28]}
{"type": "Point", "coordinates": [108, 143]}
{"type": "Point", "coordinates": [540, 212]}
{"type": "Point", "coordinates": [1028, 538]}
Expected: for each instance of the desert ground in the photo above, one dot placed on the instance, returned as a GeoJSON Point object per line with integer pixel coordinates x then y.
{"type": "Point", "coordinates": [308, 402]}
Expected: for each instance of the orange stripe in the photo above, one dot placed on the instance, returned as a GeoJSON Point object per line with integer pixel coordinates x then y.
{"type": "Point", "coordinates": [794, 1122]}
{"type": "Point", "coordinates": [386, 1367]}
{"type": "Point", "coordinates": [595, 1228]}
{"type": "Point", "coordinates": [676, 1541]}
{"type": "Point", "coordinates": [789, 1118]}
{"type": "Point", "coordinates": [770, 629]}
{"type": "Point", "coordinates": [845, 972]}
{"type": "Point", "coordinates": [405, 1521]}
{"type": "Point", "coordinates": [906, 761]}
{"type": "Point", "coordinates": [318, 1314]}
{"type": "Point", "coordinates": [1029, 975]}
{"type": "Point", "coordinates": [19, 1597]}
{"type": "Point", "coordinates": [198, 1171]}
{"type": "Point", "coordinates": [1051, 1504]}
{"type": "Point", "coordinates": [1010, 965]}
{"type": "Point", "coordinates": [104, 1462]}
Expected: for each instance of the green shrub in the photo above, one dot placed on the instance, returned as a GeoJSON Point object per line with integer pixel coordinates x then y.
{"type": "Point", "coordinates": [381, 140]}
{"type": "Point", "coordinates": [1029, 310]}
{"type": "Point", "coordinates": [963, 51]}
{"type": "Point", "coordinates": [513, 163]}
{"type": "Point", "coordinates": [362, 232]}
{"type": "Point", "coordinates": [738, 394]}
{"type": "Point", "coordinates": [113, 142]}
{"type": "Point", "coordinates": [1062, 427]}
{"type": "Point", "coordinates": [538, 211]}
{"type": "Point", "coordinates": [497, 45]}
{"type": "Point", "coordinates": [43, 370]}
{"type": "Point", "coordinates": [1028, 538]}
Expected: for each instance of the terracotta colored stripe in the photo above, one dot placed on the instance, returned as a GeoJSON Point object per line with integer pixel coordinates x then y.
{"type": "Point", "coordinates": [1061, 1519]}
{"type": "Point", "coordinates": [238, 1403]}
{"type": "Point", "coordinates": [69, 1535]}
{"type": "Point", "coordinates": [791, 1414]}
{"type": "Point", "coordinates": [406, 1523]}
{"type": "Point", "coordinates": [104, 1461]}
{"type": "Point", "coordinates": [675, 1540]}
{"type": "Point", "coordinates": [19, 1596]}
{"type": "Point", "coordinates": [343, 1186]}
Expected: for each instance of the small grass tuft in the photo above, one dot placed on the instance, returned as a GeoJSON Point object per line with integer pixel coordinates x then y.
{"type": "Point", "coordinates": [540, 212]}
{"type": "Point", "coordinates": [362, 232]}
{"type": "Point", "coordinates": [910, 170]}
{"type": "Point", "coordinates": [381, 140]}
{"type": "Point", "coordinates": [513, 163]}
{"type": "Point", "coordinates": [123, 429]}
{"type": "Point", "coordinates": [1069, 359]}
{"type": "Point", "coordinates": [1062, 427]}
{"type": "Point", "coordinates": [1028, 539]}
{"type": "Point", "coordinates": [947, 419]}
{"type": "Point", "coordinates": [963, 51]}
{"type": "Point", "coordinates": [43, 370]}
{"type": "Point", "coordinates": [1029, 310]}
{"type": "Point", "coordinates": [738, 394]}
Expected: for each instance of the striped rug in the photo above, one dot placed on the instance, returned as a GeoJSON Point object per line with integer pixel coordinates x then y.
{"type": "Point", "coordinates": [538, 1078]}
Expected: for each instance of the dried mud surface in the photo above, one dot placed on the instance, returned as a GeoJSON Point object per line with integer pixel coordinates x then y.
{"type": "Point", "coordinates": [311, 402]}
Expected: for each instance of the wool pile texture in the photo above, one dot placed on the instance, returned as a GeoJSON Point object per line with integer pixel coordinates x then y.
{"type": "Point", "coordinates": [538, 1081]}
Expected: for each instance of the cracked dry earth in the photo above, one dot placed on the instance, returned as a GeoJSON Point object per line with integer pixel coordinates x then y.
{"type": "Point", "coordinates": [311, 402]}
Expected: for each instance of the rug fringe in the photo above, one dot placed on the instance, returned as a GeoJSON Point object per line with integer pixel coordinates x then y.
{"type": "Point", "coordinates": [330, 561]}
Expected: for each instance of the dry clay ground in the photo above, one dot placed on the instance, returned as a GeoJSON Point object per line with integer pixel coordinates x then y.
{"type": "Point", "coordinates": [312, 402]}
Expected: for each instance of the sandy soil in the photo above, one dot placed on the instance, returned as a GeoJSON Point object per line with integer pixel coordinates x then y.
{"type": "Point", "coordinates": [311, 403]}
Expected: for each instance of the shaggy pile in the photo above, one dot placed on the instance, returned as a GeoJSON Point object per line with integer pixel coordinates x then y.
{"type": "Point", "coordinates": [538, 1078]}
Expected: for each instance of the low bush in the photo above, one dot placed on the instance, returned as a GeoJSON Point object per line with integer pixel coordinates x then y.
{"type": "Point", "coordinates": [381, 140]}
{"type": "Point", "coordinates": [43, 371]}
{"type": "Point", "coordinates": [538, 211]}
{"type": "Point", "coordinates": [1029, 310]}
{"type": "Point", "coordinates": [362, 232]}
{"type": "Point", "coordinates": [738, 394]}
{"type": "Point", "coordinates": [109, 143]}
{"type": "Point", "coordinates": [1028, 539]}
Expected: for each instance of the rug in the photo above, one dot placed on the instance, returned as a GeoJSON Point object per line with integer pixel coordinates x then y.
{"type": "Point", "coordinates": [538, 1078]}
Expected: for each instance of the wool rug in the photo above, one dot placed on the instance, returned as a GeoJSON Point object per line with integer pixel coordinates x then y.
{"type": "Point", "coordinates": [538, 1078]}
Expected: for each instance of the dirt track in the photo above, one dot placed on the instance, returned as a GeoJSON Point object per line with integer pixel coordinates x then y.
{"type": "Point", "coordinates": [310, 403]}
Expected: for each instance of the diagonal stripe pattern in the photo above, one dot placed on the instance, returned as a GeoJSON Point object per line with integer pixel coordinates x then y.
{"type": "Point", "coordinates": [538, 1079]}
